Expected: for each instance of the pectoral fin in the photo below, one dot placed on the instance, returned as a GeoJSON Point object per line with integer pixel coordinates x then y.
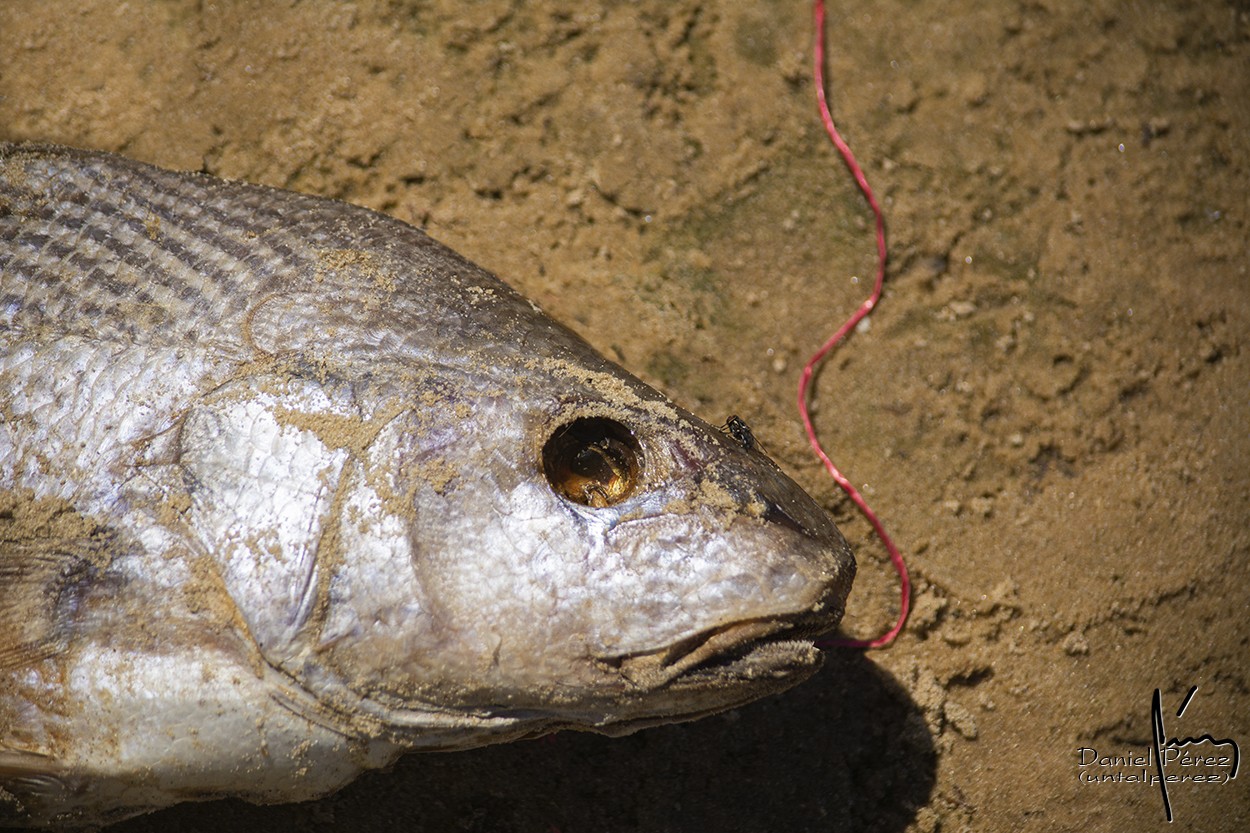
{"type": "Point", "coordinates": [42, 584]}
{"type": "Point", "coordinates": [50, 557]}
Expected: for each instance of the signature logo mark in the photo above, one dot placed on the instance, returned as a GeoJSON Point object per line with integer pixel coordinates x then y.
{"type": "Point", "coordinates": [1174, 750]}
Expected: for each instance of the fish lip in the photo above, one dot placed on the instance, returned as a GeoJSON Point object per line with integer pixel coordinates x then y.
{"type": "Point", "coordinates": [764, 643]}
{"type": "Point", "coordinates": [729, 681]}
{"type": "Point", "coordinates": [777, 663]}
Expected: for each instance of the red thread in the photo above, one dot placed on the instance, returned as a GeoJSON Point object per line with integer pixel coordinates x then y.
{"type": "Point", "coordinates": [805, 379]}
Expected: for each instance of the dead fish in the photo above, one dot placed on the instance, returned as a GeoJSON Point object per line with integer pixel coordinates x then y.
{"type": "Point", "coordinates": [287, 488]}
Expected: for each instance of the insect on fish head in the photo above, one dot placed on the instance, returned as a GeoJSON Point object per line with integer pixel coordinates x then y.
{"type": "Point", "coordinates": [737, 428]}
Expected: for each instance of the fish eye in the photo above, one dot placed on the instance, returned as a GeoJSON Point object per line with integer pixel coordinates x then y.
{"type": "Point", "coordinates": [593, 461]}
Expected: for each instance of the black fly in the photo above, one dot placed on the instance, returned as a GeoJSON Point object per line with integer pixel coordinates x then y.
{"type": "Point", "coordinates": [737, 428]}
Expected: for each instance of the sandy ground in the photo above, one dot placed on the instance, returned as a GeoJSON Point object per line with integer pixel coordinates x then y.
{"type": "Point", "coordinates": [1050, 408]}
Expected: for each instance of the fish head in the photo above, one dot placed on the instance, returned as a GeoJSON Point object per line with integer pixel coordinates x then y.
{"type": "Point", "coordinates": [577, 552]}
{"type": "Point", "coordinates": [527, 537]}
{"type": "Point", "coordinates": [707, 570]}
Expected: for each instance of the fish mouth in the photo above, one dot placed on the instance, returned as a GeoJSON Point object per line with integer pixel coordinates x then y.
{"type": "Point", "coordinates": [720, 668]}
{"type": "Point", "coordinates": [742, 650]}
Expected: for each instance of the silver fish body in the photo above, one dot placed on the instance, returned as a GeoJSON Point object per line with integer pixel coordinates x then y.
{"type": "Point", "coordinates": [287, 488]}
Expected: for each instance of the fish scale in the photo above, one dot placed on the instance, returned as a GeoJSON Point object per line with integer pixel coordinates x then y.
{"type": "Point", "coordinates": [288, 489]}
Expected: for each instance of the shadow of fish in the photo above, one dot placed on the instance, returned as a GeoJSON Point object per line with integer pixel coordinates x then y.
{"type": "Point", "coordinates": [288, 488]}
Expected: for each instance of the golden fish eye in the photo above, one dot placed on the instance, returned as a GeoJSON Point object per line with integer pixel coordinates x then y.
{"type": "Point", "coordinates": [593, 461]}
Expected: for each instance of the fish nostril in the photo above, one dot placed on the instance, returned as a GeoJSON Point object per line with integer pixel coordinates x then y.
{"type": "Point", "coordinates": [593, 461]}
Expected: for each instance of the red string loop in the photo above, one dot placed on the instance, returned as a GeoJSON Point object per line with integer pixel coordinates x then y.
{"type": "Point", "coordinates": [805, 378]}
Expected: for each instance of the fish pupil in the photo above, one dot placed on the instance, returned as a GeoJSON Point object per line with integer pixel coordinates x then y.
{"type": "Point", "coordinates": [593, 461]}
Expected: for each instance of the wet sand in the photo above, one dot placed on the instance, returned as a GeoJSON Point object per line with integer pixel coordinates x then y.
{"type": "Point", "coordinates": [1049, 408]}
